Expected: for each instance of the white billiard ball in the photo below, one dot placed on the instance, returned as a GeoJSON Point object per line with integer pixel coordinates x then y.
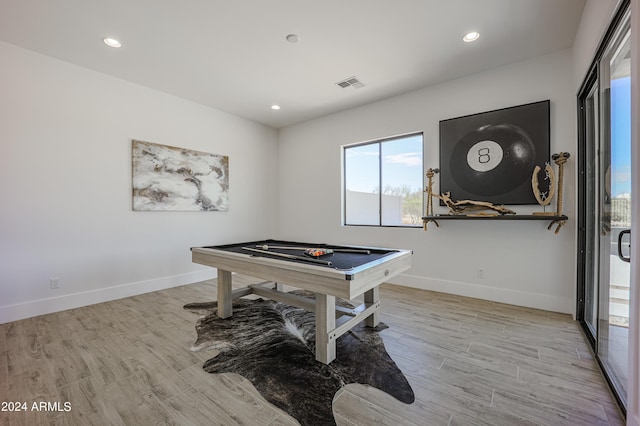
{"type": "Point", "coordinates": [484, 156]}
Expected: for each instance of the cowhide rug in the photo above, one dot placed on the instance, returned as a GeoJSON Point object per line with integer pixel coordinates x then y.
{"type": "Point", "coordinates": [273, 345]}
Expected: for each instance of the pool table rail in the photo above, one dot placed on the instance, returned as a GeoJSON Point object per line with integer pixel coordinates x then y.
{"type": "Point", "coordinates": [339, 283]}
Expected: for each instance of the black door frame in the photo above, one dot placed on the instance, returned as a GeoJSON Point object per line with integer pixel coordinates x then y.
{"type": "Point", "coordinates": [588, 83]}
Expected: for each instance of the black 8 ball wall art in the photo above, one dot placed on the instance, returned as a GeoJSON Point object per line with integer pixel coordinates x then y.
{"type": "Point", "coordinates": [491, 156]}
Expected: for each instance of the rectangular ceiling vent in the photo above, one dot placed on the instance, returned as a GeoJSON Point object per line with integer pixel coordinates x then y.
{"type": "Point", "coordinates": [350, 82]}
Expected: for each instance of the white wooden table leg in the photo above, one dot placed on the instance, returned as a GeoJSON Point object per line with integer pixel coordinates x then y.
{"type": "Point", "coordinates": [225, 298]}
{"type": "Point", "coordinates": [325, 322]}
{"type": "Point", "coordinates": [372, 296]}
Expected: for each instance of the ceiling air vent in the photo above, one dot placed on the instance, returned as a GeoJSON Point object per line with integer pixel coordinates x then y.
{"type": "Point", "coordinates": [350, 82]}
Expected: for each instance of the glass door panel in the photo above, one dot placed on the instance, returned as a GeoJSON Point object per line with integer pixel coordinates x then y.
{"type": "Point", "coordinates": [615, 218]}
{"type": "Point", "coordinates": [605, 205]}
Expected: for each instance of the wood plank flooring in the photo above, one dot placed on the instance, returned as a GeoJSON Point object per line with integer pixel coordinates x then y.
{"type": "Point", "coordinates": [470, 362]}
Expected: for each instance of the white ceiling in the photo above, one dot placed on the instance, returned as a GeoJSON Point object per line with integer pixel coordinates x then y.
{"type": "Point", "coordinates": [232, 54]}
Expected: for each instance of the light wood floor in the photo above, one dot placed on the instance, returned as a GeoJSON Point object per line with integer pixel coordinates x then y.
{"type": "Point", "coordinates": [470, 362]}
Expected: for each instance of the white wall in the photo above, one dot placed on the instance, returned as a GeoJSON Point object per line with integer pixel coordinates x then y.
{"type": "Point", "coordinates": [65, 186]}
{"type": "Point", "coordinates": [523, 263]}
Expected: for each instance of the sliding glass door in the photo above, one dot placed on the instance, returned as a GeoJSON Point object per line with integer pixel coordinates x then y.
{"type": "Point", "coordinates": [615, 223]}
{"type": "Point", "coordinates": [605, 205]}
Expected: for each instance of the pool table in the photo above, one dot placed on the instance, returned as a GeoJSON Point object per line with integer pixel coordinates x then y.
{"type": "Point", "coordinates": [347, 273]}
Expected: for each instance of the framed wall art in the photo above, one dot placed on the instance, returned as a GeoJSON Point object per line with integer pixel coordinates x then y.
{"type": "Point", "coordinates": [491, 156]}
{"type": "Point", "coordinates": [177, 179]}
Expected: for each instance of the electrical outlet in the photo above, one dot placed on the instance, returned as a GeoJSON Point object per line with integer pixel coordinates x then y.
{"type": "Point", "coordinates": [54, 283]}
{"type": "Point", "coordinates": [480, 273]}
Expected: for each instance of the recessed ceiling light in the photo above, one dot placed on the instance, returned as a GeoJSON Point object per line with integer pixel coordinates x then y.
{"type": "Point", "coordinates": [275, 107]}
{"type": "Point", "coordinates": [472, 36]}
{"type": "Point", "coordinates": [293, 38]}
{"type": "Point", "coordinates": [111, 42]}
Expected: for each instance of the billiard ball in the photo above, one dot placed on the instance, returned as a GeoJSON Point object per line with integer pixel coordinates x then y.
{"type": "Point", "coordinates": [492, 159]}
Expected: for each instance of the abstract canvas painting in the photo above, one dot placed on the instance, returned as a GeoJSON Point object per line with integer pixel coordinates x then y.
{"type": "Point", "coordinates": [177, 179]}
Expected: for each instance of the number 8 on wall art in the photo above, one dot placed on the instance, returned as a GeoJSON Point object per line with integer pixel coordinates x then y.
{"type": "Point", "coordinates": [490, 156]}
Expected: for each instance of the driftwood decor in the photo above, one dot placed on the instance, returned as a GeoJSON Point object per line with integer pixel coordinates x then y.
{"type": "Point", "coordinates": [429, 190]}
{"type": "Point", "coordinates": [471, 207]}
{"type": "Point", "coordinates": [560, 159]}
{"type": "Point", "coordinates": [545, 195]}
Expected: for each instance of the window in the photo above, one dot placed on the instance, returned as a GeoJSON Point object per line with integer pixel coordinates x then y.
{"type": "Point", "coordinates": [383, 182]}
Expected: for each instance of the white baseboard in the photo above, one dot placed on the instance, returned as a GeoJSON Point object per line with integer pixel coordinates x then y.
{"type": "Point", "coordinates": [49, 305]}
{"type": "Point", "coordinates": [512, 297]}
{"type": "Point", "coordinates": [34, 308]}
